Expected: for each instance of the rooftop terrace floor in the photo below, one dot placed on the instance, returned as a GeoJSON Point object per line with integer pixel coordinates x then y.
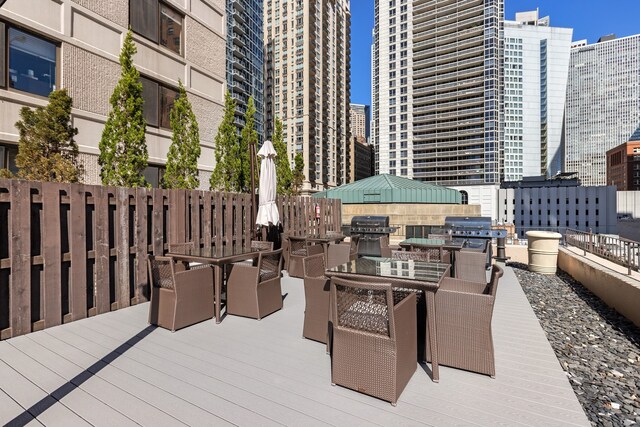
{"type": "Point", "coordinates": [114, 369]}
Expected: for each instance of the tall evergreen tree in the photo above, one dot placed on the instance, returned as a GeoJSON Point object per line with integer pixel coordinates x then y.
{"type": "Point", "coordinates": [298, 174]}
{"type": "Point", "coordinates": [283, 167]}
{"type": "Point", "coordinates": [46, 149]}
{"type": "Point", "coordinates": [248, 136]}
{"type": "Point", "coordinates": [123, 150]}
{"type": "Point", "coordinates": [225, 173]}
{"type": "Point", "coordinates": [182, 160]}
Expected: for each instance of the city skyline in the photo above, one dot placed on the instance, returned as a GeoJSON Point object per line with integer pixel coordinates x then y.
{"type": "Point", "coordinates": [591, 20]}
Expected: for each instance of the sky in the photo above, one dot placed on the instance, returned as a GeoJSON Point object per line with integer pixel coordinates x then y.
{"type": "Point", "coordinates": [590, 19]}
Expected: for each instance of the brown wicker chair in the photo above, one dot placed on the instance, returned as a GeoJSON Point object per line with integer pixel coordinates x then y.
{"type": "Point", "coordinates": [340, 253]}
{"type": "Point", "coordinates": [316, 296]}
{"type": "Point", "coordinates": [471, 266]}
{"type": "Point", "coordinates": [179, 297]}
{"type": "Point", "coordinates": [255, 291]}
{"type": "Point", "coordinates": [385, 250]}
{"type": "Point", "coordinates": [299, 249]}
{"type": "Point", "coordinates": [374, 339]}
{"type": "Point", "coordinates": [463, 320]}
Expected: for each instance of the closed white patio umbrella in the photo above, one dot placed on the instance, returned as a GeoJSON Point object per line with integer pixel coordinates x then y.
{"type": "Point", "coordinates": [267, 210]}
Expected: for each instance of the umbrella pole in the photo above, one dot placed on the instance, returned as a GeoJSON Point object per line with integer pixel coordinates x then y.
{"type": "Point", "coordinates": [252, 155]}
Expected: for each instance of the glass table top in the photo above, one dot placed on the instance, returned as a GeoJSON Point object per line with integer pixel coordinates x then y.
{"type": "Point", "coordinates": [216, 252]}
{"type": "Point", "coordinates": [394, 269]}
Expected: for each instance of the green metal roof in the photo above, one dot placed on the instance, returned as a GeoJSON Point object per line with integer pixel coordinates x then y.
{"type": "Point", "coordinates": [391, 189]}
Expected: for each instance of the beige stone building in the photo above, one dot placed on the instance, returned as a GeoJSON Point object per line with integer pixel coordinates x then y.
{"type": "Point", "coordinates": [74, 44]}
{"type": "Point", "coordinates": [307, 50]}
{"type": "Point", "coordinates": [359, 121]}
{"type": "Point", "coordinates": [360, 152]}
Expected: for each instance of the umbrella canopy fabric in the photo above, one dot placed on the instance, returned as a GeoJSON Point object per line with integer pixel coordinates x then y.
{"type": "Point", "coordinates": [267, 210]}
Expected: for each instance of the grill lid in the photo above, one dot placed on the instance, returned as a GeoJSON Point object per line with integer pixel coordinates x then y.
{"type": "Point", "coordinates": [368, 222]}
{"type": "Point", "coordinates": [478, 227]}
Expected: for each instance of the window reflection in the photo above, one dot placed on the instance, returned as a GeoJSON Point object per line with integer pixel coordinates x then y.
{"type": "Point", "coordinates": [170, 29]}
{"type": "Point", "coordinates": [32, 63]}
{"type": "Point", "coordinates": [167, 98]}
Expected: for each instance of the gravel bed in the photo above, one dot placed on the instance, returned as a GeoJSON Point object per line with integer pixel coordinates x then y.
{"type": "Point", "coordinates": [598, 348]}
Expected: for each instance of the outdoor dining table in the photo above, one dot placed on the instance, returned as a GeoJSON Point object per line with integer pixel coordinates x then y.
{"type": "Point", "coordinates": [440, 244]}
{"type": "Point", "coordinates": [217, 257]}
{"type": "Point", "coordinates": [325, 241]}
{"type": "Point", "coordinates": [419, 275]}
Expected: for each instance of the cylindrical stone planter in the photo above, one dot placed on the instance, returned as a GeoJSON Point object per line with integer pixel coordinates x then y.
{"type": "Point", "coordinates": [543, 251]}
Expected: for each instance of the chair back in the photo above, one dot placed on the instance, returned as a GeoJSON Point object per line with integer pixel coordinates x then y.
{"type": "Point", "coordinates": [410, 255]}
{"type": "Point", "coordinates": [270, 265]}
{"type": "Point", "coordinates": [260, 245]}
{"type": "Point", "coordinates": [161, 272]}
{"type": "Point", "coordinates": [385, 250]}
{"type": "Point", "coordinates": [354, 245]}
{"type": "Point", "coordinates": [298, 245]}
{"type": "Point", "coordinates": [471, 266]}
{"type": "Point", "coordinates": [362, 306]}
{"type": "Point", "coordinates": [313, 266]}
{"type": "Point", "coordinates": [492, 286]}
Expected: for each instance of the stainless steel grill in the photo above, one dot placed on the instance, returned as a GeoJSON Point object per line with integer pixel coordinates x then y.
{"type": "Point", "coordinates": [473, 232]}
{"type": "Point", "coordinates": [370, 229]}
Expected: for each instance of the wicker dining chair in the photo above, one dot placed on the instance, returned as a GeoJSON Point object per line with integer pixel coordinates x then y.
{"type": "Point", "coordinates": [179, 297]}
{"type": "Point", "coordinates": [374, 338]}
{"type": "Point", "coordinates": [471, 266]}
{"type": "Point", "coordinates": [299, 249]}
{"type": "Point", "coordinates": [464, 311]}
{"type": "Point", "coordinates": [256, 291]}
{"type": "Point", "coordinates": [316, 297]}
{"type": "Point", "coordinates": [385, 250]}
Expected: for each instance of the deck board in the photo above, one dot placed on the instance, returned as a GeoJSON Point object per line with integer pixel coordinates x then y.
{"type": "Point", "coordinates": [248, 372]}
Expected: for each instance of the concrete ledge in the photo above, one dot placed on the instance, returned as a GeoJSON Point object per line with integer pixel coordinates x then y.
{"type": "Point", "coordinates": [618, 291]}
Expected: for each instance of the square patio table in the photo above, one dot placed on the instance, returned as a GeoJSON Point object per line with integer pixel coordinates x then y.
{"type": "Point", "coordinates": [217, 257]}
{"type": "Point", "coordinates": [419, 275]}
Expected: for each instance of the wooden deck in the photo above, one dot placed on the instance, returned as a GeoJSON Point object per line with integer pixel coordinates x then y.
{"type": "Point", "coordinates": [114, 369]}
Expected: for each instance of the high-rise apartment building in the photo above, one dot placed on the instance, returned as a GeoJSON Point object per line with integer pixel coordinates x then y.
{"type": "Point", "coordinates": [603, 103]}
{"type": "Point", "coordinates": [360, 152]}
{"type": "Point", "coordinates": [436, 90]}
{"type": "Point", "coordinates": [245, 58]}
{"type": "Point", "coordinates": [536, 66]}
{"type": "Point", "coordinates": [360, 127]}
{"type": "Point", "coordinates": [75, 44]}
{"type": "Point", "coordinates": [307, 54]}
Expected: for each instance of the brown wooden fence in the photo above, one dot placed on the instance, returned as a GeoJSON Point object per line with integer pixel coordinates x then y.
{"type": "Point", "coordinates": [72, 251]}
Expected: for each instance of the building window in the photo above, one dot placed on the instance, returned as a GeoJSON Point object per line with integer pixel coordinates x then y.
{"type": "Point", "coordinates": [153, 175]}
{"type": "Point", "coordinates": [158, 102]}
{"type": "Point", "coordinates": [8, 155]}
{"type": "Point", "coordinates": [157, 22]}
{"type": "Point", "coordinates": [32, 62]}
{"type": "Point", "coordinates": [465, 197]}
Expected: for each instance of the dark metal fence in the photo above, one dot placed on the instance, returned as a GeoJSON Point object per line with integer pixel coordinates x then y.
{"type": "Point", "coordinates": [72, 251]}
